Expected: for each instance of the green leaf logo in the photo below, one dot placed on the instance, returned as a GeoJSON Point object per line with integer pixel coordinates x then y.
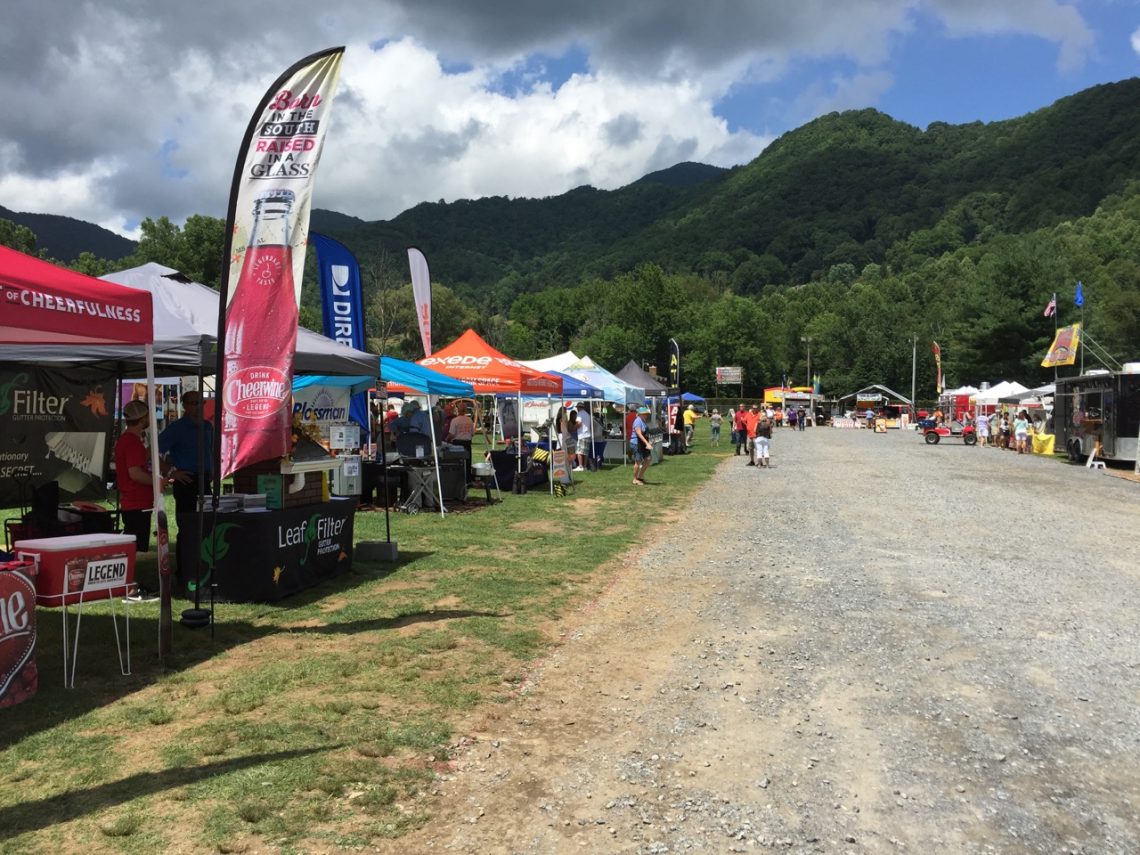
{"type": "Point", "coordinates": [5, 392]}
{"type": "Point", "coordinates": [310, 535]}
{"type": "Point", "coordinates": [214, 548]}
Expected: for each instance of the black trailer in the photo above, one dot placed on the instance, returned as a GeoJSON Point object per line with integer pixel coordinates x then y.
{"type": "Point", "coordinates": [1098, 412]}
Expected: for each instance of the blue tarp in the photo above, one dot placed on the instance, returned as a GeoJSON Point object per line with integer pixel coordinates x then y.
{"type": "Point", "coordinates": [394, 370]}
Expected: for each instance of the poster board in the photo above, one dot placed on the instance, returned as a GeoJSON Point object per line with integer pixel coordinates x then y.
{"type": "Point", "coordinates": [55, 425]}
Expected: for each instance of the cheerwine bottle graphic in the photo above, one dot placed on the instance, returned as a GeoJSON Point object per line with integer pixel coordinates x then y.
{"type": "Point", "coordinates": [261, 333]}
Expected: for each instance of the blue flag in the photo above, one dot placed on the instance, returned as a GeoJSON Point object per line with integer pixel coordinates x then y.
{"type": "Point", "coordinates": [1079, 299]}
{"type": "Point", "coordinates": [342, 306]}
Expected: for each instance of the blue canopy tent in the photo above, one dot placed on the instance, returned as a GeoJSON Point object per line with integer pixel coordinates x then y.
{"type": "Point", "coordinates": [401, 373]}
{"type": "Point", "coordinates": [687, 397]}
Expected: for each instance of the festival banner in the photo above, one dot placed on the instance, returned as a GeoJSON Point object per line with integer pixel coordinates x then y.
{"type": "Point", "coordinates": [342, 306]}
{"type": "Point", "coordinates": [675, 365]}
{"type": "Point", "coordinates": [937, 367]}
{"type": "Point", "coordinates": [55, 425]}
{"type": "Point", "coordinates": [421, 294]}
{"type": "Point", "coordinates": [266, 234]}
{"type": "Point", "coordinates": [1063, 350]}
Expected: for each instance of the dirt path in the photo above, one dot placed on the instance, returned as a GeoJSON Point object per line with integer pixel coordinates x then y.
{"type": "Point", "coordinates": [815, 659]}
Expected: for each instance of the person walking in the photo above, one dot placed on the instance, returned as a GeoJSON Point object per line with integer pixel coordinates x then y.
{"type": "Point", "coordinates": [182, 445]}
{"type": "Point", "coordinates": [714, 428]}
{"type": "Point", "coordinates": [762, 443]}
{"type": "Point", "coordinates": [802, 418]}
{"type": "Point", "coordinates": [751, 419]}
{"type": "Point", "coordinates": [982, 428]}
{"type": "Point", "coordinates": [690, 421]}
{"type": "Point", "coordinates": [640, 447]}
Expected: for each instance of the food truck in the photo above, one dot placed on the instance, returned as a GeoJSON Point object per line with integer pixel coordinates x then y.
{"type": "Point", "coordinates": [1099, 413]}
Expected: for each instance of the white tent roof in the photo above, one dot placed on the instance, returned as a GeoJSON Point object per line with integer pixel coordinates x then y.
{"type": "Point", "coordinates": [614, 389]}
{"type": "Point", "coordinates": [1000, 390]}
{"type": "Point", "coordinates": [962, 390]}
{"type": "Point", "coordinates": [551, 363]}
{"type": "Point", "coordinates": [186, 313]}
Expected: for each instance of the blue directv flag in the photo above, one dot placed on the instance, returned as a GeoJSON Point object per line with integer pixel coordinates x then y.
{"type": "Point", "coordinates": [342, 306]}
{"type": "Point", "coordinates": [1079, 299]}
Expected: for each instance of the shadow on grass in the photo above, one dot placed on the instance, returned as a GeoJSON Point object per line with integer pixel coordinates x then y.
{"type": "Point", "coordinates": [73, 804]}
{"type": "Point", "coordinates": [99, 682]}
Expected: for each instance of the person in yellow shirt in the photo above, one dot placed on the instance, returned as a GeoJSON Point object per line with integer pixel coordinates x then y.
{"type": "Point", "coordinates": [690, 422]}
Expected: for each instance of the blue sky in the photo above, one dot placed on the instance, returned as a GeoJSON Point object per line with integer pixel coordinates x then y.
{"type": "Point", "coordinates": [454, 99]}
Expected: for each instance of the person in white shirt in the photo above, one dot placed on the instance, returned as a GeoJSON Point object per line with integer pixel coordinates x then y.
{"type": "Point", "coordinates": [585, 438]}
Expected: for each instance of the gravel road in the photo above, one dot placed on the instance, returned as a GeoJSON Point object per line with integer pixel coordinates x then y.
{"type": "Point", "coordinates": [874, 646]}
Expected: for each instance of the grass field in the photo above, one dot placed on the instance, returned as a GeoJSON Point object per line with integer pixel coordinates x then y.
{"type": "Point", "coordinates": [317, 721]}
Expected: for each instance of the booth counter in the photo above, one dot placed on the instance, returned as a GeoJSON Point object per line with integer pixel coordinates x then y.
{"type": "Point", "coordinates": [264, 555]}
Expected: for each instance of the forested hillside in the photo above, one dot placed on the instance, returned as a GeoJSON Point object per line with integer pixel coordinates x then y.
{"type": "Point", "coordinates": [856, 235]}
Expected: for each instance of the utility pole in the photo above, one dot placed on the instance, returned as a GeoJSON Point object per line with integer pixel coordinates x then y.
{"type": "Point", "coordinates": [806, 339]}
{"type": "Point", "coordinates": [913, 370]}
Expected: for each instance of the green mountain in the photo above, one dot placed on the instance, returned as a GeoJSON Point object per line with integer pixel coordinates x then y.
{"type": "Point", "coordinates": [847, 188]}
{"type": "Point", "coordinates": [64, 238]}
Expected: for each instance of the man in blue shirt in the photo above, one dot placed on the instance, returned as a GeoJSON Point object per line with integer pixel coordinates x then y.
{"type": "Point", "coordinates": [179, 445]}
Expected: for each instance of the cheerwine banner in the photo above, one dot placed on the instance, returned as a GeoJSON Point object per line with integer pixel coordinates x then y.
{"type": "Point", "coordinates": [323, 406]}
{"type": "Point", "coordinates": [18, 673]}
{"type": "Point", "coordinates": [55, 425]}
{"type": "Point", "coordinates": [266, 236]}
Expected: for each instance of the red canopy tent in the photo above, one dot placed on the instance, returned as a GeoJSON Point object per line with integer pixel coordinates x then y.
{"type": "Point", "coordinates": [471, 359]}
{"type": "Point", "coordinates": [46, 304]}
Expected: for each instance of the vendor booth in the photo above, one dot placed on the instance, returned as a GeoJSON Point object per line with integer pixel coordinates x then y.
{"type": "Point", "coordinates": [49, 307]}
{"type": "Point", "coordinates": [471, 359]}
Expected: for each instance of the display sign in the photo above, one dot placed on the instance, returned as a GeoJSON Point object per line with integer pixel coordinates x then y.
{"type": "Point", "coordinates": [260, 557]}
{"type": "Point", "coordinates": [18, 673]}
{"type": "Point", "coordinates": [344, 436]}
{"type": "Point", "coordinates": [729, 374]}
{"type": "Point", "coordinates": [55, 425]}
{"type": "Point", "coordinates": [324, 406]}
{"type": "Point", "coordinates": [271, 486]}
{"type": "Point", "coordinates": [104, 573]}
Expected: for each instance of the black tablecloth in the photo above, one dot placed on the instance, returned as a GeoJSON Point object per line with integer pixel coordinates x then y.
{"type": "Point", "coordinates": [263, 556]}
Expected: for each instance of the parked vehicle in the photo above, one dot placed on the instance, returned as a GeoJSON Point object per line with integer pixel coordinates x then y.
{"type": "Point", "coordinates": [951, 430]}
{"type": "Point", "coordinates": [1099, 413]}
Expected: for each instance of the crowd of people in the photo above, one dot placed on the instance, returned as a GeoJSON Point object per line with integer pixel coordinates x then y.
{"type": "Point", "coordinates": [1005, 429]}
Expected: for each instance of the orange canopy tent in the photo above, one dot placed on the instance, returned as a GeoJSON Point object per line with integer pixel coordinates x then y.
{"type": "Point", "coordinates": [471, 359]}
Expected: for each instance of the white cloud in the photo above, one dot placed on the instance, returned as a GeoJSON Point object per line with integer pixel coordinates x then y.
{"type": "Point", "coordinates": [113, 116]}
{"type": "Point", "coordinates": [1136, 41]}
{"type": "Point", "coordinates": [1047, 19]}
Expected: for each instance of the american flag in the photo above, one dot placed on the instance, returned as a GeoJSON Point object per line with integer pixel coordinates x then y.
{"type": "Point", "coordinates": [1051, 309]}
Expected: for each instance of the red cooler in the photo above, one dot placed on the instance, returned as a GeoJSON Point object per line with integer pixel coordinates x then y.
{"type": "Point", "coordinates": [80, 567]}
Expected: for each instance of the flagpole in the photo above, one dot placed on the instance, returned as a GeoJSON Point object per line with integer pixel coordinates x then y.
{"type": "Point", "coordinates": [1055, 328]}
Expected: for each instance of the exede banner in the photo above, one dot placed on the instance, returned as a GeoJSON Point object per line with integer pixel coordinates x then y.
{"type": "Point", "coordinates": [266, 236]}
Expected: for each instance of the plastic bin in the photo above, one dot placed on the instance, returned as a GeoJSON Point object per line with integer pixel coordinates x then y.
{"type": "Point", "coordinates": [80, 567]}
